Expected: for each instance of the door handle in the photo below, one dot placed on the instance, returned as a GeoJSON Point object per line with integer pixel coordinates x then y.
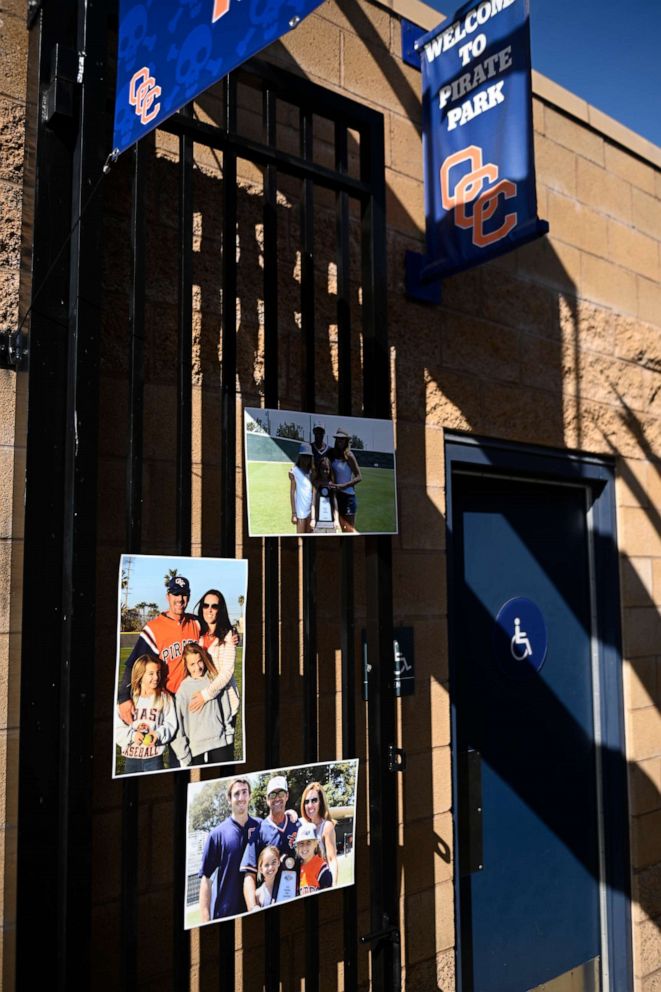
{"type": "Point", "coordinates": [471, 850]}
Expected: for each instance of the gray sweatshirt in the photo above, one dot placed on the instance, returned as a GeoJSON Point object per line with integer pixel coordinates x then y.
{"type": "Point", "coordinates": [203, 730]}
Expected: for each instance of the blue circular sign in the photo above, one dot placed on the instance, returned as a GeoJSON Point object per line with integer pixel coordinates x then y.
{"type": "Point", "coordinates": [520, 636]}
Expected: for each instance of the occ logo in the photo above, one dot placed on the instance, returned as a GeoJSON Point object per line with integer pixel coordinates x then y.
{"type": "Point", "coordinates": [469, 189]}
{"type": "Point", "coordinates": [220, 7]}
{"type": "Point", "coordinates": [142, 93]}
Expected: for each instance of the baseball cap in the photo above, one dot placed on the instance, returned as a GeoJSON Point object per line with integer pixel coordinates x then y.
{"type": "Point", "coordinates": [179, 586]}
{"type": "Point", "coordinates": [305, 449]}
{"type": "Point", "coordinates": [306, 831]}
{"type": "Point", "coordinates": [318, 427]}
{"type": "Point", "coordinates": [275, 783]}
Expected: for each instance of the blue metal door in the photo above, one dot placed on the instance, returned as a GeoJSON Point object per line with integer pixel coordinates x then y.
{"type": "Point", "coordinates": [527, 819]}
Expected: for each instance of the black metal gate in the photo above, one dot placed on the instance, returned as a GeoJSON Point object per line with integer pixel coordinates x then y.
{"type": "Point", "coordinates": [295, 165]}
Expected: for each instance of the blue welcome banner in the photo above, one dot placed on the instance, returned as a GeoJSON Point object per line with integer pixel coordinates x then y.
{"type": "Point", "coordinates": [480, 198]}
{"type": "Point", "coordinates": [170, 51]}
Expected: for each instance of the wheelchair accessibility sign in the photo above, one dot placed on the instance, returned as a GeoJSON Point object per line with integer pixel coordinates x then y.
{"type": "Point", "coordinates": [520, 636]}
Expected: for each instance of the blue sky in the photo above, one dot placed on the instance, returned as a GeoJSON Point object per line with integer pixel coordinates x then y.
{"type": "Point", "coordinates": [146, 583]}
{"type": "Point", "coordinates": [606, 52]}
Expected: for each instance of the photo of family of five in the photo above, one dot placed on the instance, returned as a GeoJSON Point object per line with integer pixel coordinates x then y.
{"type": "Point", "coordinates": [178, 699]}
{"type": "Point", "coordinates": [249, 862]}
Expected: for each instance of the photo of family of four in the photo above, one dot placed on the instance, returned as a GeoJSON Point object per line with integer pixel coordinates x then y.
{"type": "Point", "coordinates": [249, 862]}
{"type": "Point", "coordinates": [178, 699]}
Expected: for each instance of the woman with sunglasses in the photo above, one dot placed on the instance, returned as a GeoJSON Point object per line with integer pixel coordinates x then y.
{"type": "Point", "coordinates": [346, 476]}
{"type": "Point", "coordinates": [314, 809]}
{"type": "Point", "coordinates": [220, 639]}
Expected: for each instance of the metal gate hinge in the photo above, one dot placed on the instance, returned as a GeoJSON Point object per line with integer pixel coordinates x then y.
{"type": "Point", "coordinates": [66, 72]}
{"type": "Point", "coordinates": [34, 8]}
{"type": "Point", "coordinates": [13, 350]}
{"type": "Point", "coordinates": [396, 759]}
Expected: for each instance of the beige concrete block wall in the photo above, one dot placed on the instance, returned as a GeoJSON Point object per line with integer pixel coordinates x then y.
{"type": "Point", "coordinates": [13, 52]}
{"type": "Point", "coordinates": [558, 343]}
{"type": "Point", "coordinates": [612, 374]}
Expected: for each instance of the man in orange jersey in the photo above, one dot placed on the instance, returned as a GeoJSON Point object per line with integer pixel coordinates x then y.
{"type": "Point", "coordinates": [163, 637]}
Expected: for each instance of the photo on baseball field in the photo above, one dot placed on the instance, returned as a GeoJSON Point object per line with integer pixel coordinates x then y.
{"type": "Point", "coordinates": [261, 839]}
{"type": "Point", "coordinates": [179, 677]}
{"type": "Point", "coordinates": [319, 474]}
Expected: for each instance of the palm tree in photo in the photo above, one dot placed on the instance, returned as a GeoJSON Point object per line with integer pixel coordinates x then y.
{"type": "Point", "coordinates": [172, 573]}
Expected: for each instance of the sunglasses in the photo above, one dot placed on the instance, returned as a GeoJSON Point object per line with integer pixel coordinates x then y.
{"type": "Point", "coordinates": [210, 606]}
{"type": "Point", "coordinates": [278, 794]}
{"type": "Point", "coordinates": [315, 800]}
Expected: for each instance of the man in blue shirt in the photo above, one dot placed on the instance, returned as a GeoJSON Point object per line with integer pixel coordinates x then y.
{"type": "Point", "coordinates": [223, 852]}
{"type": "Point", "coordinates": [277, 829]}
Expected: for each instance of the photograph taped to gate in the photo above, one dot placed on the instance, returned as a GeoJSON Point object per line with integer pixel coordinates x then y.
{"type": "Point", "coordinates": [179, 676]}
{"type": "Point", "coordinates": [520, 638]}
{"type": "Point", "coordinates": [260, 839]}
{"type": "Point", "coordinates": [319, 474]}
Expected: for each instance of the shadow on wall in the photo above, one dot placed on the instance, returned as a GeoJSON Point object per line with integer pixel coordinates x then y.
{"type": "Point", "coordinates": [502, 357]}
{"type": "Point", "coordinates": [512, 354]}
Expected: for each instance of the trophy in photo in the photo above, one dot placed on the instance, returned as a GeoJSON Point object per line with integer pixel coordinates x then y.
{"type": "Point", "coordinates": [286, 884]}
{"type": "Point", "coordinates": [325, 519]}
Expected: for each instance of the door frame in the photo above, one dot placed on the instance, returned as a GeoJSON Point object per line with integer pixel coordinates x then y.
{"type": "Point", "coordinates": [476, 454]}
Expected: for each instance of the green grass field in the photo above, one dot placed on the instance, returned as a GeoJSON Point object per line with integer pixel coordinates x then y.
{"type": "Point", "coordinates": [344, 877]}
{"type": "Point", "coordinates": [269, 508]}
{"type": "Point", "coordinates": [238, 735]}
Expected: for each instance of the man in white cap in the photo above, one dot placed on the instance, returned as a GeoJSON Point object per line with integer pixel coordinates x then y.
{"type": "Point", "coordinates": [165, 637]}
{"type": "Point", "coordinates": [277, 829]}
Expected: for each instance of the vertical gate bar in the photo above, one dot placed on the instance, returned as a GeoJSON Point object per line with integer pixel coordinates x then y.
{"type": "Point", "coordinates": [136, 352]}
{"type": "Point", "coordinates": [227, 936]}
{"type": "Point", "coordinates": [80, 512]}
{"type": "Point", "coordinates": [181, 938]}
{"type": "Point", "coordinates": [130, 788]}
{"type": "Point", "coordinates": [347, 633]}
{"type": "Point", "coordinates": [184, 383]}
{"type": "Point", "coordinates": [228, 358]}
{"type": "Point", "coordinates": [310, 682]}
{"type": "Point", "coordinates": [386, 967]}
{"type": "Point", "coordinates": [343, 275]}
{"type": "Point", "coordinates": [271, 577]}
{"type": "Point", "coordinates": [79, 556]}
{"type": "Point", "coordinates": [39, 792]}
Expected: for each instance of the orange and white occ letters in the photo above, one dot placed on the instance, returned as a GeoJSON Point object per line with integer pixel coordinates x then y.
{"type": "Point", "coordinates": [469, 189]}
{"type": "Point", "coordinates": [143, 91]}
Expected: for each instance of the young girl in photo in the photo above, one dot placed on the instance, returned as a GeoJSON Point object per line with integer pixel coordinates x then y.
{"type": "Point", "coordinates": [301, 491]}
{"type": "Point", "coordinates": [268, 865]}
{"type": "Point", "coordinates": [143, 741]}
{"type": "Point", "coordinates": [314, 873]}
{"type": "Point", "coordinates": [325, 503]}
{"type": "Point", "coordinates": [314, 809]}
{"type": "Point", "coordinates": [204, 737]}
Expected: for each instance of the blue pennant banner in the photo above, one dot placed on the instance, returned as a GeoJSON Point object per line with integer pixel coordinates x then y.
{"type": "Point", "coordinates": [170, 51]}
{"type": "Point", "coordinates": [480, 198]}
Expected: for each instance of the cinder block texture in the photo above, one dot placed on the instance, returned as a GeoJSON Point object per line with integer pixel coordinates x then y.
{"type": "Point", "coordinates": [556, 344]}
